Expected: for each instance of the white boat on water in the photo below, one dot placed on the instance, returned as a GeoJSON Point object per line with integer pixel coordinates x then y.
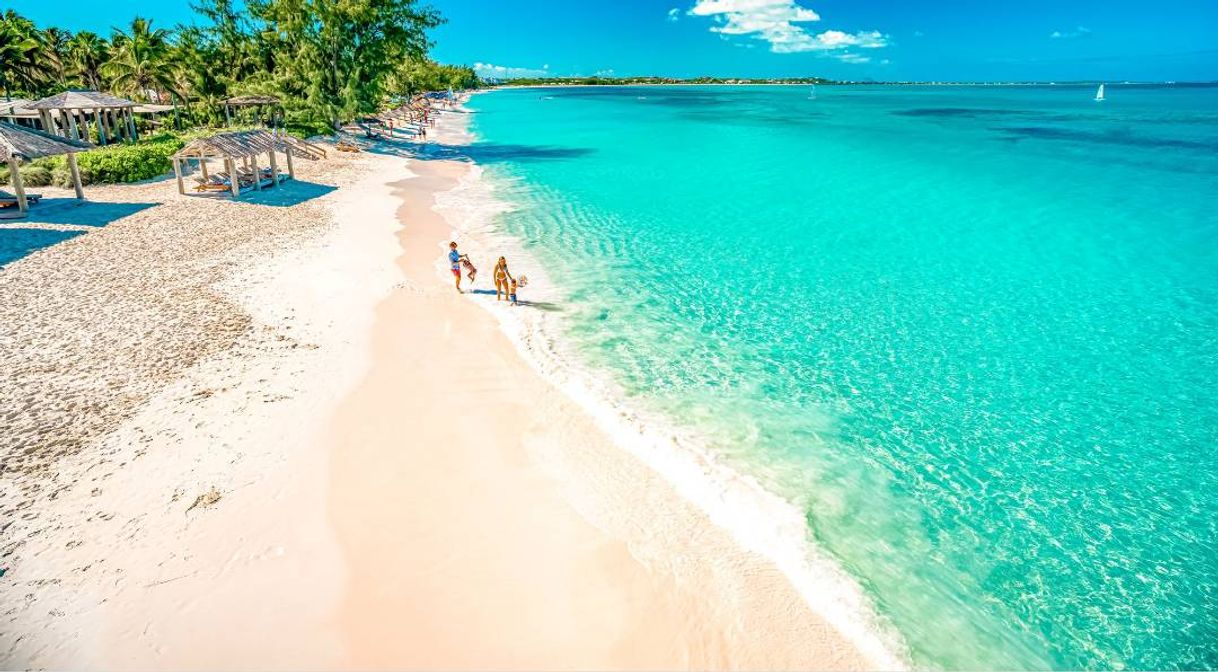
{"type": "Point", "coordinates": [812, 95]}
{"type": "Point", "coordinates": [1099, 94]}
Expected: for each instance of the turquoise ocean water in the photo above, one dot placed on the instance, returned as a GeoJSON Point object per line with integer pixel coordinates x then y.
{"type": "Point", "coordinates": [972, 332]}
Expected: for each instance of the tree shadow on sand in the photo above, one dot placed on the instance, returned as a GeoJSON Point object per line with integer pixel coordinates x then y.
{"type": "Point", "coordinates": [80, 213]}
{"type": "Point", "coordinates": [292, 192]}
{"type": "Point", "coordinates": [16, 243]}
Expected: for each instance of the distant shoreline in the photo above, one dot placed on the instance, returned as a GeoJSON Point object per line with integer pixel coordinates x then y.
{"type": "Point", "coordinates": [603, 85]}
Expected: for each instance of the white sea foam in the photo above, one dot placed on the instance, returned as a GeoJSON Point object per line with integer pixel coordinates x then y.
{"type": "Point", "coordinates": [758, 520]}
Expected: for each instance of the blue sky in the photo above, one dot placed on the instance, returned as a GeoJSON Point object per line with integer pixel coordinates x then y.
{"type": "Point", "coordinates": [842, 39]}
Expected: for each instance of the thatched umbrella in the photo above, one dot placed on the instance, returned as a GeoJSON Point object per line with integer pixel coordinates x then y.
{"type": "Point", "coordinates": [113, 115]}
{"type": "Point", "coordinates": [15, 109]}
{"type": "Point", "coordinates": [244, 147]}
{"type": "Point", "coordinates": [18, 143]}
{"type": "Point", "coordinates": [251, 101]}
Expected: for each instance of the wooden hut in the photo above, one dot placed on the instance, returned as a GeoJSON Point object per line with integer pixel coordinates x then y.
{"type": "Point", "coordinates": [18, 143]}
{"type": "Point", "coordinates": [232, 105]}
{"type": "Point", "coordinates": [68, 114]}
{"type": "Point", "coordinates": [14, 111]}
{"type": "Point", "coordinates": [240, 152]}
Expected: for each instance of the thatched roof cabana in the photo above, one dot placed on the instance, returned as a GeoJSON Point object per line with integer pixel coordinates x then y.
{"type": "Point", "coordinates": [150, 108]}
{"type": "Point", "coordinates": [405, 119]}
{"type": "Point", "coordinates": [240, 152]}
{"type": "Point", "coordinates": [17, 109]}
{"type": "Point", "coordinates": [81, 100]}
{"type": "Point", "coordinates": [18, 144]}
{"type": "Point", "coordinates": [251, 101]}
{"type": "Point", "coordinates": [112, 115]}
{"type": "Point", "coordinates": [242, 101]}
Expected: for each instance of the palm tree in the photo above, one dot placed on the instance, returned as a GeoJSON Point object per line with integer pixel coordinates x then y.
{"type": "Point", "coordinates": [87, 54]}
{"type": "Point", "coordinates": [53, 48]}
{"type": "Point", "coordinates": [139, 63]}
{"type": "Point", "coordinates": [19, 47]}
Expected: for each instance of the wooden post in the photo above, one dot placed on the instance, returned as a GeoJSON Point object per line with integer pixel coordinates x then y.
{"type": "Point", "coordinates": [231, 166]}
{"type": "Point", "coordinates": [71, 115]}
{"type": "Point", "coordinates": [135, 135]}
{"type": "Point", "coordinates": [80, 193]}
{"type": "Point", "coordinates": [203, 167]}
{"type": "Point", "coordinates": [177, 172]}
{"type": "Point", "coordinates": [291, 171]}
{"type": "Point", "coordinates": [257, 173]}
{"type": "Point", "coordinates": [228, 118]}
{"type": "Point", "coordinates": [101, 127]}
{"type": "Point", "coordinates": [274, 169]}
{"type": "Point", "coordinates": [14, 167]}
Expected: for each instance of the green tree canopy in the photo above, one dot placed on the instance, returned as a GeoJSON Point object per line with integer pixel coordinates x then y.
{"type": "Point", "coordinates": [327, 60]}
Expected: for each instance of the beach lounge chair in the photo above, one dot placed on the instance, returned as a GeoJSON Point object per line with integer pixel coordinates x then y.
{"type": "Point", "coordinates": [10, 208]}
{"type": "Point", "coordinates": [7, 199]}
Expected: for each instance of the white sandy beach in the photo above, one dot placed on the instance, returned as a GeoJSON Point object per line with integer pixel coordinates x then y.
{"type": "Point", "coordinates": [255, 435]}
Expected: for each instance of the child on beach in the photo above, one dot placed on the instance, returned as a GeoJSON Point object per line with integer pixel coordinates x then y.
{"type": "Point", "coordinates": [471, 272]}
{"type": "Point", "coordinates": [523, 280]}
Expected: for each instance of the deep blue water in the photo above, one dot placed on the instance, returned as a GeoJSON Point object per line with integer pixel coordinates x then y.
{"type": "Point", "coordinates": [971, 331]}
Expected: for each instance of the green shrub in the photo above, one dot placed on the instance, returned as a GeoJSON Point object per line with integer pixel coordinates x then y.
{"type": "Point", "coordinates": [35, 175]}
{"type": "Point", "coordinates": [129, 163]}
{"type": "Point", "coordinates": [308, 129]}
{"type": "Point", "coordinates": [61, 176]}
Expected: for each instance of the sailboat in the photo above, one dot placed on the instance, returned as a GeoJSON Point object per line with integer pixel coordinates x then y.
{"type": "Point", "coordinates": [1099, 94]}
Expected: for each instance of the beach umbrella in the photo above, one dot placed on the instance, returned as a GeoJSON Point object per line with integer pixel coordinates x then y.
{"type": "Point", "coordinates": [18, 143]}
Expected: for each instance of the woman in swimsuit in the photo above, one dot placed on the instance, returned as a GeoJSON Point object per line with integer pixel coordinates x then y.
{"type": "Point", "coordinates": [503, 277]}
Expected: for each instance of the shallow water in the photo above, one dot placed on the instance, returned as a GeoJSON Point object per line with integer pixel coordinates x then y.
{"type": "Point", "coordinates": [970, 331]}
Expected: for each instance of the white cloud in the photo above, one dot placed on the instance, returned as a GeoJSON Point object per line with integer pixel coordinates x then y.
{"type": "Point", "coordinates": [775, 22]}
{"type": "Point", "coordinates": [504, 72]}
{"type": "Point", "coordinates": [1080, 31]}
{"type": "Point", "coordinates": [918, 33]}
{"type": "Point", "coordinates": [674, 14]}
{"type": "Point", "coordinates": [850, 57]}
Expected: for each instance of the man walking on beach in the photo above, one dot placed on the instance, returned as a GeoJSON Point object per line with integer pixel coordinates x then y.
{"type": "Point", "coordinates": [454, 261]}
